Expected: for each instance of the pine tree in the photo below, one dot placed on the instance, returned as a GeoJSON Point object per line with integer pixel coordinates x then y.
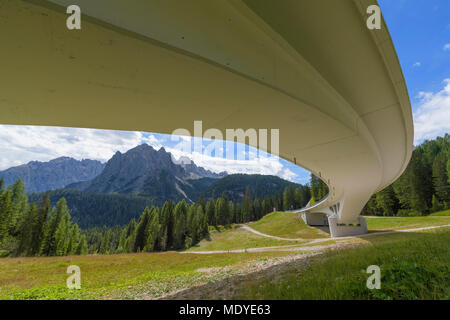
{"type": "Point", "coordinates": [418, 183]}
{"type": "Point", "coordinates": [19, 201]}
{"type": "Point", "coordinates": [210, 212]}
{"type": "Point", "coordinates": [105, 244]}
{"type": "Point", "coordinates": [202, 202]}
{"type": "Point", "coordinates": [247, 210]}
{"type": "Point", "coordinates": [38, 224]}
{"type": "Point", "coordinates": [179, 230]}
{"type": "Point", "coordinates": [203, 222]}
{"type": "Point", "coordinates": [435, 204]}
{"type": "Point", "coordinates": [49, 243]}
{"type": "Point", "coordinates": [6, 210]}
{"type": "Point", "coordinates": [257, 209]}
{"type": "Point", "coordinates": [130, 236]}
{"type": "Point", "coordinates": [25, 233]}
{"type": "Point", "coordinates": [62, 235]}
{"type": "Point", "coordinates": [288, 198]}
{"type": "Point", "coordinates": [440, 178]}
{"type": "Point", "coordinates": [141, 236]}
{"type": "Point", "coordinates": [236, 212]}
{"type": "Point", "coordinates": [82, 247]}
{"type": "Point", "coordinates": [152, 230]}
{"type": "Point", "coordinates": [74, 239]}
{"type": "Point", "coordinates": [387, 202]}
{"type": "Point", "coordinates": [166, 222]}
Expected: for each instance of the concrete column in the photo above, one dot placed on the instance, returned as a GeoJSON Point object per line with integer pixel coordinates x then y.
{"type": "Point", "coordinates": [338, 229]}
{"type": "Point", "coordinates": [315, 219]}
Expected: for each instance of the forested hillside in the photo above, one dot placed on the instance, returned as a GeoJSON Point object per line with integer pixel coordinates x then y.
{"type": "Point", "coordinates": [234, 186]}
{"type": "Point", "coordinates": [90, 210]}
{"type": "Point", "coordinates": [45, 230]}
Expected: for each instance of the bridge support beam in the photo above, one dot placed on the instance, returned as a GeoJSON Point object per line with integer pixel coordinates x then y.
{"type": "Point", "coordinates": [338, 229]}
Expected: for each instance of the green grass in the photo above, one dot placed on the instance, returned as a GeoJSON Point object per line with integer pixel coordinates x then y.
{"type": "Point", "coordinates": [124, 276]}
{"type": "Point", "coordinates": [237, 238]}
{"type": "Point", "coordinates": [413, 266]}
{"type": "Point", "coordinates": [143, 275]}
{"type": "Point", "coordinates": [286, 225]}
{"type": "Point", "coordinates": [392, 223]}
{"type": "Point", "coordinates": [441, 213]}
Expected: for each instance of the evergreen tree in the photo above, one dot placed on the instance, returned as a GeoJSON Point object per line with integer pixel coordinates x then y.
{"type": "Point", "coordinates": [74, 239]}
{"type": "Point", "coordinates": [62, 235]}
{"type": "Point", "coordinates": [166, 222]}
{"type": "Point", "coordinates": [202, 202]}
{"type": "Point", "coordinates": [288, 198]}
{"type": "Point", "coordinates": [49, 243]}
{"type": "Point", "coordinates": [25, 233]}
{"type": "Point", "coordinates": [387, 202]}
{"type": "Point", "coordinates": [152, 230]}
{"type": "Point", "coordinates": [141, 231]}
{"type": "Point", "coordinates": [105, 244]}
{"type": "Point", "coordinates": [6, 210]}
{"type": "Point", "coordinates": [39, 223]}
{"type": "Point", "coordinates": [247, 208]}
{"type": "Point", "coordinates": [19, 201]}
{"type": "Point", "coordinates": [435, 204]}
{"type": "Point", "coordinates": [257, 209]}
{"type": "Point", "coordinates": [440, 179]}
{"type": "Point", "coordinates": [210, 212]}
{"type": "Point", "coordinates": [82, 247]}
{"type": "Point", "coordinates": [2, 185]}
{"type": "Point", "coordinates": [179, 231]}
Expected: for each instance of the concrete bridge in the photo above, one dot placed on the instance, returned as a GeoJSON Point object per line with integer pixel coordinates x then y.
{"type": "Point", "coordinates": [313, 69]}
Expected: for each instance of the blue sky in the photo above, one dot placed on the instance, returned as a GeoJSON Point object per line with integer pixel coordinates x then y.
{"type": "Point", "coordinates": [420, 30]}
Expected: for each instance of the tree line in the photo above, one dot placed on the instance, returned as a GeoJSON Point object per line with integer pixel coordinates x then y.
{"type": "Point", "coordinates": [41, 230]}
{"type": "Point", "coordinates": [181, 225]}
{"type": "Point", "coordinates": [37, 229]}
{"type": "Point", "coordinates": [423, 187]}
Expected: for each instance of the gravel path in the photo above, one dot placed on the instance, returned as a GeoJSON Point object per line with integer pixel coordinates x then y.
{"type": "Point", "coordinates": [305, 246]}
{"type": "Point", "coordinates": [269, 269]}
{"type": "Point", "coordinates": [246, 227]}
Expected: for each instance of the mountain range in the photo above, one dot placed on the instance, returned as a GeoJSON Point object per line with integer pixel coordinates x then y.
{"type": "Point", "coordinates": [54, 174]}
{"type": "Point", "coordinates": [146, 172]}
{"type": "Point", "coordinates": [119, 189]}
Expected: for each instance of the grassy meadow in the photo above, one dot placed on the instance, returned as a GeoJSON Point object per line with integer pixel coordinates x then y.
{"type": "Point", "coordinates": [415, 265]}
{"type": "Point", "coordinates": [120, 276]}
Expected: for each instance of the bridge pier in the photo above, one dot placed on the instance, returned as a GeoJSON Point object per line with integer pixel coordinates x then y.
{"type": "Point", "coordinates": [338, 229]}
{"type": "Point", "coordinates": [315, 219]}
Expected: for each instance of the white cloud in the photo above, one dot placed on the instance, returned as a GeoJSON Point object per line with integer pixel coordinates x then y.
{"type": "Point", "coordinates": [446, 46]}
{"type": "Point", "coordinates": [21, 144]}
{"type": "Point", "coordinates": [417, 64]}
{"type": "Point", "coordinates": [256, 165]}
{"type": "Point", "coordinates": [432, 117]}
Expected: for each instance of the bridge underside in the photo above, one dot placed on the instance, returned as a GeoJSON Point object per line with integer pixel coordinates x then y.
{"type": "Point", "coordinates": [309, 68]}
